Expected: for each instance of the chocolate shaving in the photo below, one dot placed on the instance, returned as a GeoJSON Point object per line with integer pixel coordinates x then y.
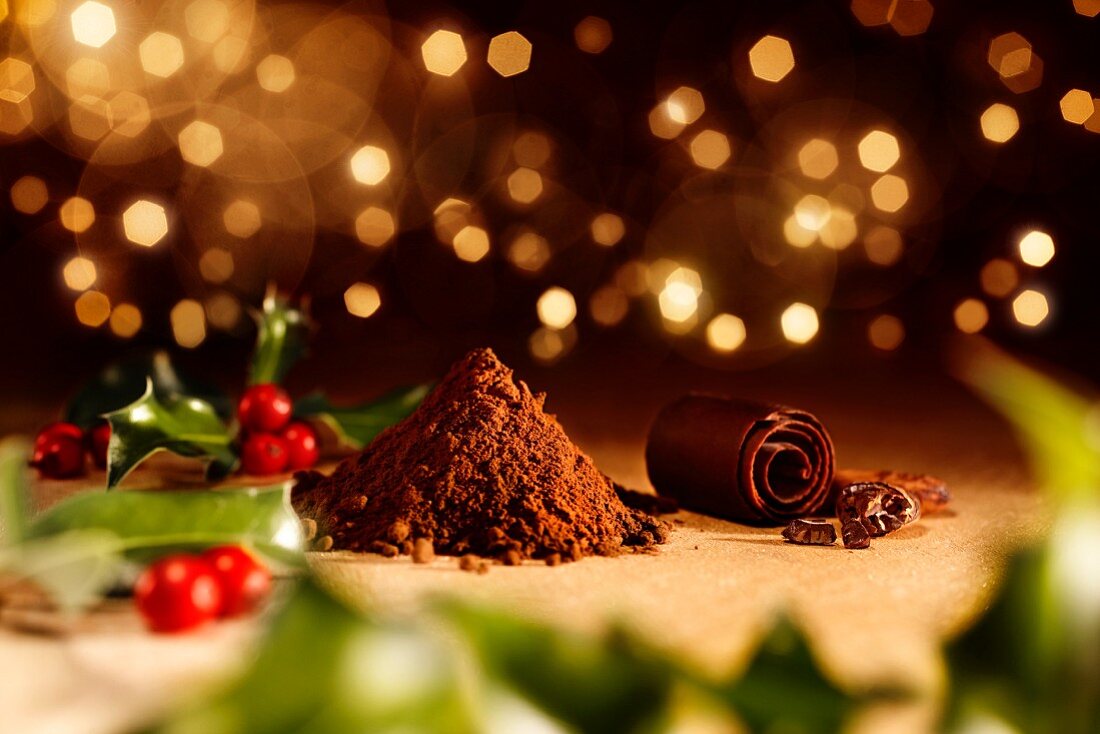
{"type": "Point", "coordinates": [880, 508]}
{"type": "Point", "coordinates": [931, 491]}
{"type": "Point", "coordinates": [810, 532]}
{"type": "Point", "coordinates": [741, 460]}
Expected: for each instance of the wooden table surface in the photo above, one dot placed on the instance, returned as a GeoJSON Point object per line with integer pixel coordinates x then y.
{"type": "Point", "coordinates": [873, 615]}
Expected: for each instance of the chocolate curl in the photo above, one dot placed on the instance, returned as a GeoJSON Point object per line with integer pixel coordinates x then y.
{"type": "Point", "coordinates": [741, 460]}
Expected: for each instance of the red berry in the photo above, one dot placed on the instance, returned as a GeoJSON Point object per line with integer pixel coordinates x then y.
{"type": "Point", "coordinates": [98, 438]}
{"type": "Point", "coordinates": [59, 451]}
{"type": "Point", "coordinates": [244, 581]}
{"type": "Point", "coordinates": [178, 593]}
{"type": "Point", "coordinates": [264, 408]}
{"type": "Point", "coordinates": [264, 454]}
{"type": "Point", "coordinates": [301, 445]}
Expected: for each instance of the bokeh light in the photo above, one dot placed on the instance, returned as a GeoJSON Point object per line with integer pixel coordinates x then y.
{"type": "Point", "coordinates": [145, 223]}
{"type": "Point", "coordinates": [1030, 308]}
{"type": "Point", "coordinates": [886, 332]}
{"type": "Point", "coordinates": [444, 53]}
{"type": "Point", "coordinates": [216, 265]}
{"type": "Point", "coordinates": [275, 73]}
{"type": "Point", "coordinates": [556, 308]}
{"type": "Point", "coordinates": [92, 308]}
{"type": "Point", "coordinates": [549, 345]}
{"type": "Point", "coordinates": [771, 58]}
{"type": "Point", "coordinates": [607, 229]}
{"type": "Point", "coordinates": [710, 149]}
{"type": "Point", "coordinates": [883, 245]}
{"type": "Point", "coordinates": [76, 214]}
{"type": "Point", "coordinates": [200, 143]}
{"type": "Point", "coordinates": [161, 54]}
{"type": "Point", "coordinates": [685, 105]}
{"type": "Point", "coordinates": [971, 316]}
{"type": "Point", "coordinates": [93, 24]}
{"type": "Point", "coordinates": [242, 219]}
{"type": "Point", "coordinates": [188, 321]}
{"type": "Point", "coordinates": [29, 194]}
{"type": "Point", "coordinates": [529, 252]}
{"type": "Point", "coordinates": [1087, 8]}
{"type": "Point", "coordinates": [725, 333]}
{"type": "Point", "coordinates": [889, 193]}
{"type": "Point", "coordinates": [524, 185]}
{"type": "Point", "coordinates": [362, 300]}
{"type": "Point", "coordinates": [999, 277]}
{"type": "Point", "coordinates": [1036, 248]}
{"type": "Point", "coordinates": [593, 35]}
{"type": "Point", "coordinates": [125, 320]}
{"type": "Point", "coordinates": [662, 125]}
{"type": "Point", "coordinates": [471, 244]}
{"type": "Point", "coordinates": [812, 212]}
{"type": "Point", "coordinates": [879, 151]}
{"type": "Point", "coordinates": [818, 159]}
{"type": "Point", "coordinates": [79, 273]}
{"type": "Point", "coordinates": [609, 305]}
{"type": "Point", "coordinates": [375, 226]}
{"type": "Point", "coordinates": [999, 123]}
{"type": "Point", "coordinates": [370, 165]}
{"type": "Point", "coordinates": [799, 323]}
{"type": "Point", "coordinates": [1077, 106]}
{"type": "Point", "coordinates": [206, 20]}
{"type": "Point", "coordinates": [509, 53]}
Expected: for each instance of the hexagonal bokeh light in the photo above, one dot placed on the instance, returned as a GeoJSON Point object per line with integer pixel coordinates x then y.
{"type": "Point", "coordinates": [93, 24]}
{"type": "Point", "coordinates": [145, 223]}
{"type": "Point", "coordinates": [370, 165]}
{"type": "Point", "coordinates": [509, 53]}
{"type": "Point", "coordinates": [444, 53]}
{"type": "Point", "coordinates": [771, 58]}
{"type": "Point", "coordinates": [161, 54]}
{"type": "Point", "coordinates": [200, 143]}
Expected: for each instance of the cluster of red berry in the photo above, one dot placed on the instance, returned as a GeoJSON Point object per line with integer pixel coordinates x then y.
{"type": "Point", "coordinates": [60, 448]}
{"type": "Point", "coordinates": [183, 591]}
{"type": "Point", "coordinates": [271, 443]}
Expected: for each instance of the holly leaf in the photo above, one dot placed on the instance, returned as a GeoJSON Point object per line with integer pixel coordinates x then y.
{"type": "Point", "coordinates": [123, 382]}
{"type": "Point", "coordinates": [357, 425]}
{"type": "Point", "coordinates": [75, 569]}
{"type": "Point", "coordinates": [13, 490]}
{"type": "Point", "coordinates": [186, 426]}
{"type": "Point", "coordinates": [281, 335]}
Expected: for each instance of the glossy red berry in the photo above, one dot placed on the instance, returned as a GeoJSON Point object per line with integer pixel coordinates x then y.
{"type": "Point", "coordinates": [178, 593]}
{"type": "Point", "coordinates": [98, 438]}
{"type": "Point", "coordinates": [264, 408]}
{"type": "Point", "coordinates": [244, 581]}
{"type": "Point", "coordinates": [263, 454]}
{"type": "Point", "coordinates": [301, 446]}
{"type": "Point", "coordinates": [59, 451]}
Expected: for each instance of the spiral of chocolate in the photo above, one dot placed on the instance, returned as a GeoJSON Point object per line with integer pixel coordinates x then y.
{"type": "Point", "coordinates": [741, 460]}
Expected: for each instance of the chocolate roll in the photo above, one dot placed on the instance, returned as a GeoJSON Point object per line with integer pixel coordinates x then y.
{"type": "Point", "coordinates": [741, 460]}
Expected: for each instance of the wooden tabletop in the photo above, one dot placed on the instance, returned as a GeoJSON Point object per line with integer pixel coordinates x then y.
{"type": "Point", "coordinates": [873, 616]}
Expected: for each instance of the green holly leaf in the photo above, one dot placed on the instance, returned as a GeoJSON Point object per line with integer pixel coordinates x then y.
{"type": "Point", "coordinates": [123, 382]}
{"type": "Point", "coordinates": [783, 688]}
{"type": "Point", "coordinates": [357, 425]}
{"type": "Point", "coordinates": [14, 454]}
{"type": "Point", "coordinates": [186, 426]}
{"type": "Point", "coordinates": [281, 335]}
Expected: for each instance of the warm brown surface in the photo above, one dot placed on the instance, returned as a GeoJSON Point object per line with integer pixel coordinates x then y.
{"type": "Point", "coordinates": [872, 614]}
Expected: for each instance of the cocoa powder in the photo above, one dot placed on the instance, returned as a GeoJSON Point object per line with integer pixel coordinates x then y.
{"type": "Point", "coordinates": [478, 468]}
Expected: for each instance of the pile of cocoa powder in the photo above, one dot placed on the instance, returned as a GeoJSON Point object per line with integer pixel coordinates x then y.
{"type": "Point", "coordinates": [481, 469]}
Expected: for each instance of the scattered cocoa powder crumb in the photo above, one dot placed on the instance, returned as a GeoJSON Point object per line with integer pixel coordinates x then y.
{"type": "Point", "coordinates": [406, 547]}
{"type": "Point", "coordinates": [511, 558]}
{"type": "Point", "coordinates": [481, 469]}
{"type": "Point", "coordinates": [387, 549]}
{"type": "Point", "coordinates": [423, 552]}
{"type": "Point", "coordinates": [323, 544]}
{"type": "Point", "coordinates": [482, 568]}
{"type": "Point", "coordinates": [468, 562]}
{"type": "Point", "coordinates": [554, 559]}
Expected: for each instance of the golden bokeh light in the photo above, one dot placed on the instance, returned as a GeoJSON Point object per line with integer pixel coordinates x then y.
{"type": "Point", "coordinates": [90, 117]}
{"type": "Point", "coordinates": [471, 244]}
{"type": "Point", "coordinates": [607, 229]}
{"type": "Point", "coordinates": [161, 54]}
{"type": "Point", "coordinates": [509, 53]}
{"type": "Point", "coordinates": [79, 273]}
{"type": "Point", "coordinates": [872, 12]}
{"type": "Point", "coordinates": [206, 20]}
{"type": "Point", "coordinates": [531, 149]}
{"type": "Point", "coordinates": [840, 230]}
{"type": "Point", "coordinates": [999, 123]}
{"type": "Point", "coordinates": [370, 165]}
{"type": "Point", "coordinates": [16, 79]}
{"type": "Point", "coordinates": [374, 226]}
{"type": "Point", "coordinates": [725, 333]}
{"type": "Point", "coordinates": [1030, 308]}
{"type": "Point", "coordinates": [87, 76]}
{"type": "Point", "coordinates": [971, 316]}
{"type": "Point", "coordinates": [710, 149]}
{"type": "Point", "coordinates": [216, 265]}
{"type": "Point", "coordinates": [632, 277]}
{"type": "Point", "coordinates": [145, 223]}
{"type": "Point", "coordinates": [223, 311]}
{"type": "Point", "coordinates": [879, 151]}
{"type": "Point", "coordinates": [362, 300]}
{"type": "Point", "coordinates": [275, 73]}
{"type": "Point", "coordinates": [242, 219]}
{"type": "Point", "coordinates": [549, 345]}
{"type": "Point", "coordinates": [999, 277]}
{"type": "Point", "coordinates": [818, 159]}
{"type": "Point", "coordinates": [1036, 248]}
{"type": "Point", "coordinates": [797, 235]}
{"type": "Point", "coordinates": [76, 214]}
{"type": "Point", "coordinates": [889, 193]}
{"type": "Point", "coordinates": [524, 185]}
{"type": "Point", "coordinates": [16, 115]}
{"type": "Point", "coordinates": [910, 17]}
{"type": "Point", "coordinates": [200, 143]}
{"type": "Point", "coordinates": [444, 53]}
{"type": "Point", "coordinates": [29, 194]}
{"type": "Point", "coordinates": [93, 24]}
{"type": "Point", "coordinates": [678, 298]}
{"type": "Point", "coordinates": [685, 105]}
{"type": "Point", "coordinates": [799, 323]}
{"type": "Point", "coordinates": [1087, 8]}
{"type": "Point", "coordinates": [1009, 54]}
{"type": "Point", "coordinates": [556, 308]}
{"type": "Point", "coordinates": [188, 320]}
{"type": "Point", "coordinates": [771, 58]}
{"type": "Point", "coordinates": [129, 113]}
{"type": "Point", "coordinates": [529, 252]}
{"type": "Point", "coordinates": [125, 320]}
{"type": "Point", "coordinates": [1077, 106]}
{"type": "Point", "coordinates": [812, 212]}
{"type": "Point", "coordinates": [663, 126]}
{"type": "Point", "coordinates": [592, 35]}
{"type": "Point", "coordinates": [230, 56]}
{"type": "Point", "coordinates": [608, 306]}
{"type": "Point", "coordinates": [883, 245]}
{"type": "Point", "coordinates": [886, 332]}
{"type": "Point", "coordinates": [92, 308]}
{"type": "Point", "coordinates": [451, 215]}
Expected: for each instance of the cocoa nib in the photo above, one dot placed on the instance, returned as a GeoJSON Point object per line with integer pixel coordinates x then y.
{"type": "Point", "coordinates": [931, 491]}
{"type": "Point", "coordinates": [879, 507]}
{"type": "Point", "coordinates": [854, 534]}
{"type": "Point", "coordinates": [810, 532]}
